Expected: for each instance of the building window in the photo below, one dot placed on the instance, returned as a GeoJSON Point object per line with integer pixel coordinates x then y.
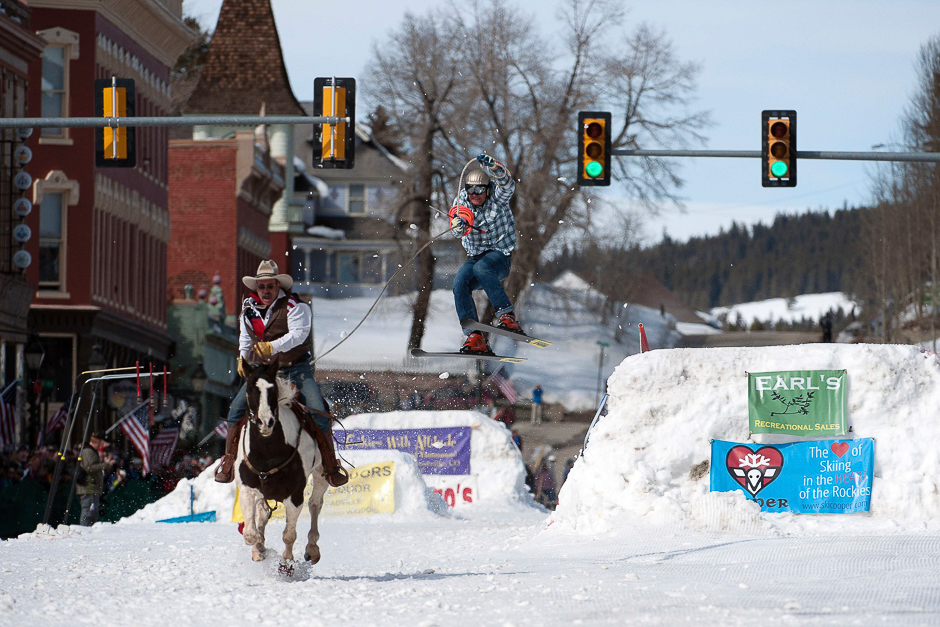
{"type": "Point", "coordinates": [371, 268]}
{"type": "Point", "coordinates": [54, 92]}
{"type": "Point", "coordinates": [347, 268]}
{"type": "Point", "coordinates": [357, 199]}
{"type": "Point", "coordinates": [359, 267]}
{"type": "Point", "coordinates": [61, 49]}
{"type": "Point", "coordinates": [53, 195]}
{"type": "Point", "coordinates": [51, 242]}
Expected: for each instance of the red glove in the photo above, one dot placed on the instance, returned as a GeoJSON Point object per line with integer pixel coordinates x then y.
{"type": "Point", "coordinates": [464, 214]}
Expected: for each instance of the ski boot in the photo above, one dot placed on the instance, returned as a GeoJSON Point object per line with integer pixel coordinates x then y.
{"type": "Point", "coordinates": [475, 344]}
{"type": "Point", "coordinates": [508, 322]}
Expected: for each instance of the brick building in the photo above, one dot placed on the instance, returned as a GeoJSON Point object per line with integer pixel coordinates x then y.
{"type": "Point", "coordinates": [223, 191]}
{"type": "Point", "coordinates": [19, 47]}
{"type": "Point", "coordinates": [102, 233]}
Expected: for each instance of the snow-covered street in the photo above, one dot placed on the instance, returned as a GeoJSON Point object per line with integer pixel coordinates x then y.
{"type": "Point", "coordinates": [495, 571]}
{"type": "Point", "coordinates": [638, 535]}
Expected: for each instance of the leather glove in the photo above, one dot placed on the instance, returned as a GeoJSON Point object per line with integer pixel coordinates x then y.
{"type": "Point", "coordinates": [264, 349]}
{"type": "Point", "coordinates": [457, 226]}
{"type": "Point", "coordinates": [241, 368]}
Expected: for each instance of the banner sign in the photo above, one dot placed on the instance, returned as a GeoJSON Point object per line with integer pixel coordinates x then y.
{"type": "Point", "coordinates": [371, 490]}
{"type": "Point", "coordinates": [442, 451]}
{"type": "Point", "coordinates": [797, 402]}
{"type": "Point", "coordinates": [819, 477]}
{"type": "Point", "coordinates": [456, 490]}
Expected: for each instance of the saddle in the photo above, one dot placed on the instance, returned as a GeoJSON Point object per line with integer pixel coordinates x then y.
{"type": "Point", "coordinates": [335, 474]}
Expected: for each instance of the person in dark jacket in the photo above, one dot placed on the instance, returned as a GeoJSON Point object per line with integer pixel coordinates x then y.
{"type": "Point", "coordinates": [93, 461]}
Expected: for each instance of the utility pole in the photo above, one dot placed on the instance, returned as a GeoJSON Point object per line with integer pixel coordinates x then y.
{"type": "Point", "coordinates": [600, 371]}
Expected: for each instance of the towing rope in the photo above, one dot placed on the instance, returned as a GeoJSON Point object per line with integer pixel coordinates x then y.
{"type": "Point", "coordinates": [381, 294]}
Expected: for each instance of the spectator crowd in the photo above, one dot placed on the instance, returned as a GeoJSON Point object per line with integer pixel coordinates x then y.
{"type": "Point", "coordinates": [26, 477]}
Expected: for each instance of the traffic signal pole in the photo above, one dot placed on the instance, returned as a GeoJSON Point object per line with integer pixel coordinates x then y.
{"type": "Point", "coordinates": [215, 120]}
{"type": "Point", "coordinates": [916, 157]}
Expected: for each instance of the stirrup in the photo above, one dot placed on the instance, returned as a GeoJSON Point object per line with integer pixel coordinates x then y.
{"type": "Point", "coordinates": [338, 482]}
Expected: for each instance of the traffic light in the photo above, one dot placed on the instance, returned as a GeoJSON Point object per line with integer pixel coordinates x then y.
{"type": "Point", "coordinates": [778, 148]}
{"type": "Point", "coordinates": [335, 97]}
{"type": "Point", "coordinates": [115, 147]}
{"type": "Point", "coordinates": [593, 148]}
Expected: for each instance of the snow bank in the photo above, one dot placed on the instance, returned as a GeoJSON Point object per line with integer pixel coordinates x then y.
{"type": "Point", "coordinates": [495, 461]}
{"type": "Point", "coordinates": [648, 458]}
{"type": "Point", "coordinates": [208, 496]}
{"type": "Point", "coordinates": [413, 499]}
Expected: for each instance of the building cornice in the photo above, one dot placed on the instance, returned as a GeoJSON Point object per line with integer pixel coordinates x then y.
{"type": "Point", "coordinates": [149, 22]}
{"type": "Point", "coordinates": [26, 45]}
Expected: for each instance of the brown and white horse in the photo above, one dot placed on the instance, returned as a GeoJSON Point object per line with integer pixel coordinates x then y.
{"type": "Point", "coordinates": [274, 460]}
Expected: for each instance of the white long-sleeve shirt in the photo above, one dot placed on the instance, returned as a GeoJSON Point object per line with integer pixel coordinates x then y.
{"type": "Point", "coordinates": [299, 320]}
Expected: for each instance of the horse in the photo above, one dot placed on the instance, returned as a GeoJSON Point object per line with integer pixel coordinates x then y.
{"type": "Point", "coordinates": [274, 460]}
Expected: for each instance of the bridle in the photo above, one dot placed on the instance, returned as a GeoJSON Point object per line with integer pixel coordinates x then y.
{"type": "Point", "coordinates": [264, 474]}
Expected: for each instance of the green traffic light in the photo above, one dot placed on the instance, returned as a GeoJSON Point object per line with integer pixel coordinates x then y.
{"type": "Point", "coordinates": [779, 169]}
{"type": "Point", "coordinates": [594, 169]}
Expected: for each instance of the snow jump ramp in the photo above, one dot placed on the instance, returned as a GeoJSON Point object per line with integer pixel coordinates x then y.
{"type": "Point", "coordinates": [648, 458]}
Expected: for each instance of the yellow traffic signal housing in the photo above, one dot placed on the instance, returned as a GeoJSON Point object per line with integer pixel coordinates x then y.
{"type": "Point", "coordinates": [778, 148]}
{"type": "Point", "coordinates": [335, 97]}
{"type": "Point", "coordinates": [115, 147]}
{"type": "Point", "coordinates": [594, 148]}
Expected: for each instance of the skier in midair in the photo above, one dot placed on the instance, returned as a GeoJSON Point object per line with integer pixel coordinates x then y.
{"type": "Point", "coordinates": [484, 203]}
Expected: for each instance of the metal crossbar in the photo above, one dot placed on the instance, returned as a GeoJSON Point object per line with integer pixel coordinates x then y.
{"type": "Point", "coordinates": [220, 120]}
{"type": "Point", "coordinates": [923, 157]}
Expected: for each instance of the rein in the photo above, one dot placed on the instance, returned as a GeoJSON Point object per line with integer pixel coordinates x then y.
{"type": "Point", "coordinates": [267, 473]}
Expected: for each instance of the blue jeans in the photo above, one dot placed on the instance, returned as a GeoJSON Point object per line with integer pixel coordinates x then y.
{"type": "Point", "coordinates": [302, 377]}
{"type": "Point", "coordinates": [483, 271]}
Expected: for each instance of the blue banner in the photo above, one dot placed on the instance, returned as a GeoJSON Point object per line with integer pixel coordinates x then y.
{"type": "Point", "coordinates": [818, 477]}
{"type": "Point", "coordinates": [444, 451]}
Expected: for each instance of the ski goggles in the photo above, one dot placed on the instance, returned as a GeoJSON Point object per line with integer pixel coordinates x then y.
{"type": "Point", "coordinates": [476, 189]}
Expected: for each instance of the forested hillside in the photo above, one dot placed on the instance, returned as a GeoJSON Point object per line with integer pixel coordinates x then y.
{"type": "Point", "coordinates": [809, 253]}
{"type": "Point", "coordinates": [801, 254]}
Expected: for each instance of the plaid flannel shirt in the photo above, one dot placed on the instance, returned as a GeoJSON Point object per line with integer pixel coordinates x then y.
{"type": "Point", "coordinates": [494, 217]}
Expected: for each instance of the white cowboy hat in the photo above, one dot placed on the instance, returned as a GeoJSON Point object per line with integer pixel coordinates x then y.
{"type": "Point", "coordinates": [268, 270]}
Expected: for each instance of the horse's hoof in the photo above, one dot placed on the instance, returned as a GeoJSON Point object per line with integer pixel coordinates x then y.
{"type": "Point", "coordinates": [313, 558]}
{"type": "Point", "coordinates": [256, 555]}
{"type": "Point", "coordinates": [286, 569]}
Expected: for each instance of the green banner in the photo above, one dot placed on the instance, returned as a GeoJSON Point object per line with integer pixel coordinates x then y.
{"type": "Point", "coordinates": [797, 402]}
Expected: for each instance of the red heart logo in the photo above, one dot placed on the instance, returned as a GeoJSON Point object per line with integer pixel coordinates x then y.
{"type": "Point", "coordinates": [839, 448]}
{"type": "Point", "coordinates": [754, 470]}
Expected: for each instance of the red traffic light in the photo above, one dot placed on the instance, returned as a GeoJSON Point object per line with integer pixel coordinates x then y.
{"type": "Point", "coordinates": [779, 129]}
{"type": "Point", "coordinates": [594, 130]}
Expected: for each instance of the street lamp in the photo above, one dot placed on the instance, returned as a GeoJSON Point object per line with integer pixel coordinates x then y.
{"type": "Point", "coordinates": [97, 361]}
{"type": "Point", "coordinates": [34, 353]}
{"type": "Point", "coordinates": [198, 378]}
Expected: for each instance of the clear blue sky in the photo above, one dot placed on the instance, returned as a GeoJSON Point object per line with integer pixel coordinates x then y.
{"type": "Point", "coordinates": [846, 66]}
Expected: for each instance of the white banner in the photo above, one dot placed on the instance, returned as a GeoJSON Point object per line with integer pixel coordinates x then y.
{"type": "Point", "coordinates": [456, 490]}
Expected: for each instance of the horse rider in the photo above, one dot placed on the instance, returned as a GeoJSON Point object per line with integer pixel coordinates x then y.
{"type": "Point", "coordinates": [275, 326]}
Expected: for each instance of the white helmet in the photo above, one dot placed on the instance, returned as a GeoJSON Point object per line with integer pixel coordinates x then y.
{"type": "Point", "coordinates": [477, 177]}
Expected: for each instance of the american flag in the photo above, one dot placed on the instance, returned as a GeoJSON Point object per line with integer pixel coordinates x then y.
{"type": "Point", "coordinates": [136, 426]}
{"type": "Point", "coordinates": [8, 415]}
{"type": "Point", "coordinates": [164, 443]}
{"type": "Point", "coordinates": [222, 429]}
{"type": "Point", "coordinates": [58, 419]}
{"type": "Point", "coordinates": [505, 386]}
